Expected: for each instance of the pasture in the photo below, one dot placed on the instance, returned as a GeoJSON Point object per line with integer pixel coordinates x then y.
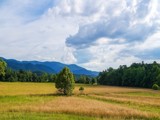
{"type": "Point", "coordinates": [39, 101]}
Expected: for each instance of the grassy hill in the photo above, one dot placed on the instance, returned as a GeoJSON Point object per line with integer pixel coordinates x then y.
{"type": "Point", "coordinates": [39, 101]}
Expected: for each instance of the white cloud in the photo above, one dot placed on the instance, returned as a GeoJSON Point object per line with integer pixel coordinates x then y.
{"type": "Point", "coordinates": [151, 43]}
{"type": "Point", "coordinates": [40, 39]}
{"type": "Point", "coordinates": [102, 33]}
{"type": "Point", "coordinates": [107, 55]}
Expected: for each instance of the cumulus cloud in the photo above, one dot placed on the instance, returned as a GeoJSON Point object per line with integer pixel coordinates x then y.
{"type": "Point", "coordinates": [114, 29]}
{"type": "Point", "coordinates": [134, 25]}
{"type": "Point", "coordinates": [130, 25]}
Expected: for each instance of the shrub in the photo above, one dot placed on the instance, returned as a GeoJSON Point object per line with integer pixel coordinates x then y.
{"type": "Point", "coordinates": [155, 87]}
{"type": "Point", "coordinates": [81, 89]}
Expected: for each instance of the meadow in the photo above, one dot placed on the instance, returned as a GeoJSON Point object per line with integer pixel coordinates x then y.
{"type": "Point", "coordinates": [39, 101]}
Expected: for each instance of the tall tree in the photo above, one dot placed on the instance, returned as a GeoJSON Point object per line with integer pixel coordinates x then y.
{"type": "Point", "coordinates": [65, 81]}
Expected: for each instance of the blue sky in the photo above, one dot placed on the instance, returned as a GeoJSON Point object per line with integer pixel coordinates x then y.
{"type": "Point", "coordinates": [95, 34]}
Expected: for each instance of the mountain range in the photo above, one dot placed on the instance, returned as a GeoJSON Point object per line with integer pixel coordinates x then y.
{"type": "Point", "coordinates": [49, 67]}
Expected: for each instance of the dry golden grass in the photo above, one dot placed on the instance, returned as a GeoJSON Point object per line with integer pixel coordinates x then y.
{"type": "Point", "coordinates": [155, 102]}
{"type": "Point", "coordinates": [108, 89]}
{"type": "Point", "coordinates": [80, 106]}
{"type": "Point", "coordinates": [23, 88]}
{"type": "Point", "coordinates": [41, 97]}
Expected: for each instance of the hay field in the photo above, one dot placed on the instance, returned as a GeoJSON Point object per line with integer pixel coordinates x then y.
{"type": "Point", "coordinates": [39, 101]}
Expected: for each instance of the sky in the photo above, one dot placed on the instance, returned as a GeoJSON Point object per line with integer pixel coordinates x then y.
{"type": "Point", "coordinates": [95, 34]}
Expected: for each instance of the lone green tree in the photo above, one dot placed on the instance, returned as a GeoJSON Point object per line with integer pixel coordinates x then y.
{"type": "Point", "coordinates": [65, 81]}
{"type": "Point", "coordinates": [3, 66]}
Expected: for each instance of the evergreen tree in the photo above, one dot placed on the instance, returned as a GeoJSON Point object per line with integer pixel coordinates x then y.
{"type": "Point", "coordinates": [65, 81]}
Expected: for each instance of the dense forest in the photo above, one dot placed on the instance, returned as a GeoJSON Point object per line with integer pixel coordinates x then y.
{"type": "Point", "coordinates": [136, 75]}
{"type": "Point", "coordinates": [38, 76]}
{"type": "Point", "coordinates": [26, 76]}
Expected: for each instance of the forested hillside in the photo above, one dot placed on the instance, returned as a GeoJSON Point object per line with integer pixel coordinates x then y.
{"type": "Point", "coordinates": [48, 67]}
{"type": "Point", "coordinates": [136, 75]}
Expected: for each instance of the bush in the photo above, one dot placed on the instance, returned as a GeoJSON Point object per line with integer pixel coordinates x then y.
{"type": "Point", "coordinates": [81, 89]}
{"type": "Point", "coordinates": [155, 87]}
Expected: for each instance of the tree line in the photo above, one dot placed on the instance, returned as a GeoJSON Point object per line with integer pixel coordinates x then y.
{"type": "Point", "coordinates": [84, 79]}
{"type": "Point", "coordinates": [9, 75]}
{"type": "Point", "coordinates": [26, 76]}
{"type": "Point", "coordinates": [38, 76]}
{"type": "Point", "coordinates": [136, 75]}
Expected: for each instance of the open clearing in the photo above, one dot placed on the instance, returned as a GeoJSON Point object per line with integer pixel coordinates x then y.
{"type": "Point", "coordinates": [38, 101]}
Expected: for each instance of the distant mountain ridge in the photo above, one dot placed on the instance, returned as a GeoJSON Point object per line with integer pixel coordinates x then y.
{"type": "Point", "coordinates": [49, 67]}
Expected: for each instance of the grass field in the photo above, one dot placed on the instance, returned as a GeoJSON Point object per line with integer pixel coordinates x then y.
{"type": "Point", "coordinates": [39, 101]}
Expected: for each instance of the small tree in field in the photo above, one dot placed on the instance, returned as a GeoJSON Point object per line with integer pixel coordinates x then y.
{"type": "Point", "coordinates": [65, 81]}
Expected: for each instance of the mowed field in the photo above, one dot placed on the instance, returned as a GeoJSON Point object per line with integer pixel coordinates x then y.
{"type": "Point", "coordinates": [39, 101]}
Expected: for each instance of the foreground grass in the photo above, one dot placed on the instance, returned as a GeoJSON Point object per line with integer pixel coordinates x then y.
{"type": "Point", "coordinates": [42, 116]}
{"type": "Point", "coordinates": [38, 101]}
